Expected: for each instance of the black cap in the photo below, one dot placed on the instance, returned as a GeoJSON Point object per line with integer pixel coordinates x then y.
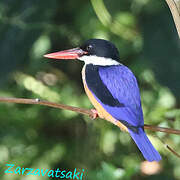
{"type": "Point", "coordinates": [101, 48]}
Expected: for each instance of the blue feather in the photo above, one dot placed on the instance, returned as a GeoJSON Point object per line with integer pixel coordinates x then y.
{"type": "Point", "coordinates": [145, 146]}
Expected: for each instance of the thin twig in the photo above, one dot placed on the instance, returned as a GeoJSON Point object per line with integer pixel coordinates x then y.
{"type": "Point", "coordinates": [161, 129]}
{"type": "Point", "coordinates": [174, 152]}
{"type": "Point", "coordinates": [78, 110]}
{"type": "Point", "coordinates": [46, 103]}
{"type": "Point", "coordinates": [167, 146]}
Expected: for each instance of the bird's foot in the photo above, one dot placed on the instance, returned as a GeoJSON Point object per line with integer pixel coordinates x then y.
{"type": "Point", "coordinates": [94, 114]}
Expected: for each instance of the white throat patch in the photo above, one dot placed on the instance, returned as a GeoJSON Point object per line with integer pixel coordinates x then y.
{"type": "Point", "coordinates": [95, 60]}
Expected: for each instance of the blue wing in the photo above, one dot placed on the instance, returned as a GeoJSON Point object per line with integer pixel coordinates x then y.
{"type": "Point", "coordinates": [120, 84]}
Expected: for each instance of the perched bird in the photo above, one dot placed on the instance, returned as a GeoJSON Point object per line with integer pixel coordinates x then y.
{"type": "Point", "coordinates": [113, 90]}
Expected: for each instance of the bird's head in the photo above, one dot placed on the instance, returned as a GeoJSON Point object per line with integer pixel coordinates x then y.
{"type": "Point", "coordinates": [94, 51]}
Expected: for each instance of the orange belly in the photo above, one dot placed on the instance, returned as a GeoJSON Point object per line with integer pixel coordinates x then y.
{"type": "Point", "coordinates": [102, 113]}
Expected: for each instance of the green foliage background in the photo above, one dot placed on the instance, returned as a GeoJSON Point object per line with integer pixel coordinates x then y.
{"type": "Point", "coordinates": [43, 137]}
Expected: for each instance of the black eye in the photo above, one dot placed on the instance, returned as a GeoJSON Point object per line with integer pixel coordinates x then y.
{"type": "Point", "coordinates": [89, 47]}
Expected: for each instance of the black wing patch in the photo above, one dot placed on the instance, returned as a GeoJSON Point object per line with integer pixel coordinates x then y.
{"type": "Point", "coordinates": [131, 127]}
{"type": "Point", "coordinates": [96, 85]}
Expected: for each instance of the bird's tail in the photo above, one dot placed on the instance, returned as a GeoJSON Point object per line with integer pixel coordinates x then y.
{"type": "Point", "coordinates": [145, 146]}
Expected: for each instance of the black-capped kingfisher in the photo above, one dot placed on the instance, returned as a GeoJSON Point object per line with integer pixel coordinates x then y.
{"type": "Point", "coordinates": [112, 89]}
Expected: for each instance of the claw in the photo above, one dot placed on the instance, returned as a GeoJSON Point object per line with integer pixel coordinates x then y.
{"type": "Point", "coordinates": [95, 114]}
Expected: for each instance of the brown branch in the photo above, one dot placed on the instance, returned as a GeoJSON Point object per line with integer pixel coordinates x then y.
{"type": "Point", "coordinates": [162, 129]}
{"type": "Point", "coordinates": [78, 110]}
{"type": "Point", "coordinates": [167, 146]}
{"type": "Point", "coordinates": [45, 103]}
{"type": "Point", "coordinates": [173, 151]}
{"type": "Point", "coordinates": [174, 6]}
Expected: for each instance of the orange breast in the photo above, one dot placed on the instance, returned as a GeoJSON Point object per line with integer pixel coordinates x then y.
{"type": "Point", "coordinates": [101, 111]}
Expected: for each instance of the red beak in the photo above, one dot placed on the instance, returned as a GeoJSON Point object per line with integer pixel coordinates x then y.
{"type": "Point", "coordinates": [67, 54]}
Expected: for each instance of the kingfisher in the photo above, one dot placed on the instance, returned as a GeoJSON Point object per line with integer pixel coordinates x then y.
{"type": "Point", "coordinates": [112, 89]}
